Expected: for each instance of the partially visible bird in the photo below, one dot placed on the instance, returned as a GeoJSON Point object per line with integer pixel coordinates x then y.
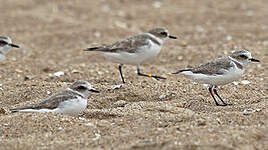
{"type": "Point", "coordinates": [5, 46]}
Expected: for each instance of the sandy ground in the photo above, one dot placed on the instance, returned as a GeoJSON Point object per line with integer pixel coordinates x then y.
{"type": "Point", "coordinates": [144, 113]}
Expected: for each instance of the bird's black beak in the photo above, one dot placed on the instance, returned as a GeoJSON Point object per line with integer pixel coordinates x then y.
{"type": "Point", "coordinates": [94, 91]}
{"type": "Point", "coordinates": [14, 45]}
{"type": "Point", "coordinates": [254, 60]}
{"type": "Point", "coordinates": [172, 37]}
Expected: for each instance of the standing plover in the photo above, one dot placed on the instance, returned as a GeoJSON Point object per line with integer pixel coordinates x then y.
{"type": "Point", "coordinates": [220, 71]}
{"type": "Point", "coordinates": [5, 46]}
{"type": "Point", "coordinates": [71, 101]}
{"type": "Point", "coordinates": [136, 49]}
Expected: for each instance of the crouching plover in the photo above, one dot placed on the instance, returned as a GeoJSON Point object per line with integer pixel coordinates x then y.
{"type": "Point", "coordinates": [71, 101]}
{"type": "Point", "coordinates": [136, 49]}
{"type": "Point", "coordinates": [5, 46]}
{"type": "Point", "coordinates": [220, 71]}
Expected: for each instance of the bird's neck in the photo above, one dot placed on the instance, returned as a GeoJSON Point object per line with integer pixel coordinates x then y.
{"type": "Point", "coordinates": [156, 39]}
{"type": "Point", "coordinates": [82, 94]}
{"type": "Point", "coordinates": [238, 64]}
{"type": "Point", "coordinates": [5, 49]}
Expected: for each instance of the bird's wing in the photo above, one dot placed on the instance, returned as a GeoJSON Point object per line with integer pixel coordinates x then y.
{"type": "Point", "coordinates": [51, 102]}
{"type": "Point", "coordinates": [218, 66]}
{"type": "Point", "coordinates": [130, 45]}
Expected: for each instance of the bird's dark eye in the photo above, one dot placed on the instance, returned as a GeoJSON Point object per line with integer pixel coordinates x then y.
{"type": "Point", "coordinates": [243, 56]}
{"type": "Point", "coordinates": [81, 88]}
{"type": "Point", "coordinates": [2, 43]}
{"type": "Point", "coordinates": [163, 33]}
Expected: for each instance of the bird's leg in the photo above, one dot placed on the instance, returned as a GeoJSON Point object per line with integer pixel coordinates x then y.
{"type": "Point", "coordinates": [120, 70]}
{"type": "Point", "coordinates": [212, 94]}
{"type": "Point", "coordinates": [224, 104]}
{"type": "Point", "coordinates": [148, 75]}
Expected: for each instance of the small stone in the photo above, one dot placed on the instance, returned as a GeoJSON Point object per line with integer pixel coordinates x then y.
{"type": "Point", "coordinates": [89, 124]}
{"type": "Point", "coordinates": [76, 71]}
{"type": "Point", "coordinates": [218, 120]}
{"type": "Point", "coordinates": [18, 70]}
{"type": "Point", "coordinates": [81, 118]}
{"type": "Point", "coordinates": [248, 111]}
{"type": "Point", "coordinates": [245, 82]}
{"type": "Point", "coordinates": [184, 44]}
{"type": "Point", "coordinates": [163, 96]}
{"type": "Point", "coordinates": [57, 74]}
{"type": "Point", "coordinates": [235, 83]}
{"type": "Point", "coordinates": [60, 128]}
{"type": "Point", "coordinates": [180, 57]}
{"type": "Point", "coordinates": [117, 86]}
{"type": "Point", "coordinates": [229, 38]}
{"type": "Point", "coordinates": [195, 83]}
{"type": "Point", "coordinates": [258, 110]}
{"type": "Point", "coordinates": [97, 137]}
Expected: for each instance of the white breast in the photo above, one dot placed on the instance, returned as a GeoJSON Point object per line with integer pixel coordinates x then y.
{"type": "Point", "coordinates": [72, 106]}
{"type": "Point", "coordinates": [231, 75]}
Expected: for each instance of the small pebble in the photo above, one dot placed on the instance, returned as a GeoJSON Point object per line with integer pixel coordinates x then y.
{"type": "Point", "coordinates": [60, 128]}
{"type": "Point", "coordinates": [57, 74]}
{"type": "Point", "coordinates": [245, 82]}
{"type": "Point", "coordinates": [229, 38]}
{"type": "Point", "coordinates": [163, 96]}
{"type": "Point", "coordinates": [97, 137]}
{"type": "Point", "coordinates": [48, 92]}
{"type": "Point", "coordinates": [218, 120]}
{"type": "Point", "coordinates": [117, 86]}
{"type": "Point", "coordinates": [235, 83]}
{"type": "Point", "coordinates": [81, 118]}
{"type": "Point", "coordinates": [89, 124]}
{"type": "Point", "coordinates": [248, 111]}
{"type": "Point", "coordinates": [76, 71]}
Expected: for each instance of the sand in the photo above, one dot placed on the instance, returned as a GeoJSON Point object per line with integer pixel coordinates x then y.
{"type": "Point", "coordinates": [143, 113]}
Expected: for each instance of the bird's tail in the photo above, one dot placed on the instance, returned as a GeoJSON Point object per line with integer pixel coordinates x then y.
{"type": "Point", "coordinates": [93, 48]}
{"type": "Point", "coordinates": [180, 71]}
{"type": "Point", "coordinates": [14, 110]}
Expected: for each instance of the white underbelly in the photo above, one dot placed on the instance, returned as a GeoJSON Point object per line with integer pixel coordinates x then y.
{"type": "Point", "coordinates": [71, 107]}
{"type": "Point", "coordinates": [231, 76]}
{"type": "Point", "coordinates": [144, 54]}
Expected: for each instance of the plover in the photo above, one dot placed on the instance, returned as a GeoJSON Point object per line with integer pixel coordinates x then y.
{"type": "Point", "coordinates": [136, 49]}
{"type": "Point", "coordinates": [5, 46]}
{"type": "Point", "coordinates": [71, 101]}
{"type": "Point", "coordinates": [220, 71]}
